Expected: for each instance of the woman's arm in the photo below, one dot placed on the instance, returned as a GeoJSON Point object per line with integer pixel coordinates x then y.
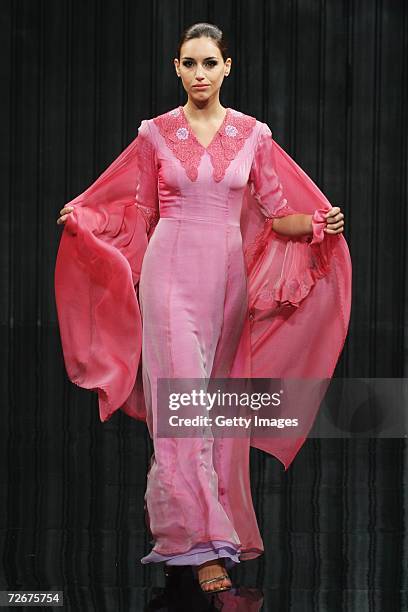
{"type": "Point", "coordinates": [268, 191]}
{"type": "Point", "coordinates": [301, 224]}
{"type": "Point", "coordinates": [293, 225]}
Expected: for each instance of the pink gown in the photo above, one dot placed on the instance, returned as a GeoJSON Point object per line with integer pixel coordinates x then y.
{"type": "Point", "coordinates": [169, 268]}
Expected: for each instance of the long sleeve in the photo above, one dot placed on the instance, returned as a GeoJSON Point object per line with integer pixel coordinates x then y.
{"type": "Point", "coordinates": [264, 181]}
{"type": "Point", "coordinates": [97, 269]}
{"type": "Point", "coordinates": [278, 187]}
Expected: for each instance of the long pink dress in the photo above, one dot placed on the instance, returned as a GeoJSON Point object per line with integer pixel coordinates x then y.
{"type": "Point", "coordinates": [169, 268]}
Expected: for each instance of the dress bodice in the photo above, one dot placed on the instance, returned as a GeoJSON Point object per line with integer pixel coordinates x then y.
{"type": "Point", "coordinates": [203, 183]}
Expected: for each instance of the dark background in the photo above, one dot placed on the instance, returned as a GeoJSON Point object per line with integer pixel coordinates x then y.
{"type": "Point", "coordinates": [77, 77]}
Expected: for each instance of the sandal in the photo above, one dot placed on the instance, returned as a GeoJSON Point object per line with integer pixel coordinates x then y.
{"type": "Point", "coordinates": [214, 579]}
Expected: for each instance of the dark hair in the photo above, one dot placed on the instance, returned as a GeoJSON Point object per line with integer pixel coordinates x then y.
{"type": "Point", "coordinates": [204, 29]}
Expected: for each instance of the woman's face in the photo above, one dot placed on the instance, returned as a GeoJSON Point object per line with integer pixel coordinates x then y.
{"type": "Point", "coordinates": [201, 63]}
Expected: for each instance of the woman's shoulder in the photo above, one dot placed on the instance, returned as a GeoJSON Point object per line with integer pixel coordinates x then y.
{"type": "Point", "coordinates": [172, 112]}
{"type": "Point", "coordinates": [248, 121]}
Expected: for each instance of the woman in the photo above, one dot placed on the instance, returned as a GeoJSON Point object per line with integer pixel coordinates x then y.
{"type": "Point", "coordinates": [188, 214]}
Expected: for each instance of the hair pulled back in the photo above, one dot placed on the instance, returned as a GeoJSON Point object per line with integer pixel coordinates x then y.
{"type": "Point", "coordinates": [204, 29]}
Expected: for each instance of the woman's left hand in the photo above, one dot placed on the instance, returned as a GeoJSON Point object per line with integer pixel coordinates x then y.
{"type": "Point", "coordinates": [334, 219]}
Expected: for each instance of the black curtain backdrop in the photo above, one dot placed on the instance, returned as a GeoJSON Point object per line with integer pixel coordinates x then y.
{"type": "Point", "coordinates": [77, 77]}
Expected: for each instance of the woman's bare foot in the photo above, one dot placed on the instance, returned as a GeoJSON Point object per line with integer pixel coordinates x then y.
{"type": "Point", "coordinates": [211, 569]}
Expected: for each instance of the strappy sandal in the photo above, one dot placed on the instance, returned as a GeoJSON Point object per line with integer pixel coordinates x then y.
{"type": "Point", "coordinates": [214, 579]}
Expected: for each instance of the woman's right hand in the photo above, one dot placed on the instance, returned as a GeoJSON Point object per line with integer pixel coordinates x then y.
{"type": "Point", "coordinates": [64, 212]}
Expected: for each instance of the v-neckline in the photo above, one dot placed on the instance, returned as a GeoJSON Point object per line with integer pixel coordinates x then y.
{"type": "Point", "coordinates": [191, 131]}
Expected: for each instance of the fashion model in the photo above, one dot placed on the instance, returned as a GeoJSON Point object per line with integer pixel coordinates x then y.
{"type": "Point", "coordinates": [203, 251]}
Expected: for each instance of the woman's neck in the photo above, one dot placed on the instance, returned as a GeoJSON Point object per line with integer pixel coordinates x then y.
{"type": "Point", "coordinates": [209, 110]}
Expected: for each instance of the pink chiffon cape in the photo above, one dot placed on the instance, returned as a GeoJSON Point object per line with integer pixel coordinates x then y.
{"type": "Point", "coordinates": [299, 290]}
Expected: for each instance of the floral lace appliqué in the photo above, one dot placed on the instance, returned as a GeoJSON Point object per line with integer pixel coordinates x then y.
{"type": "Point", "coordinates": [151, 216]}
{"type": "Point", "coordinates": [224, 147]}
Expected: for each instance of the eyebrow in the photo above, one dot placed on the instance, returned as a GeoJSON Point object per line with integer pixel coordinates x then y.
{"type": "Point", "coordinates": [192, 58]}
